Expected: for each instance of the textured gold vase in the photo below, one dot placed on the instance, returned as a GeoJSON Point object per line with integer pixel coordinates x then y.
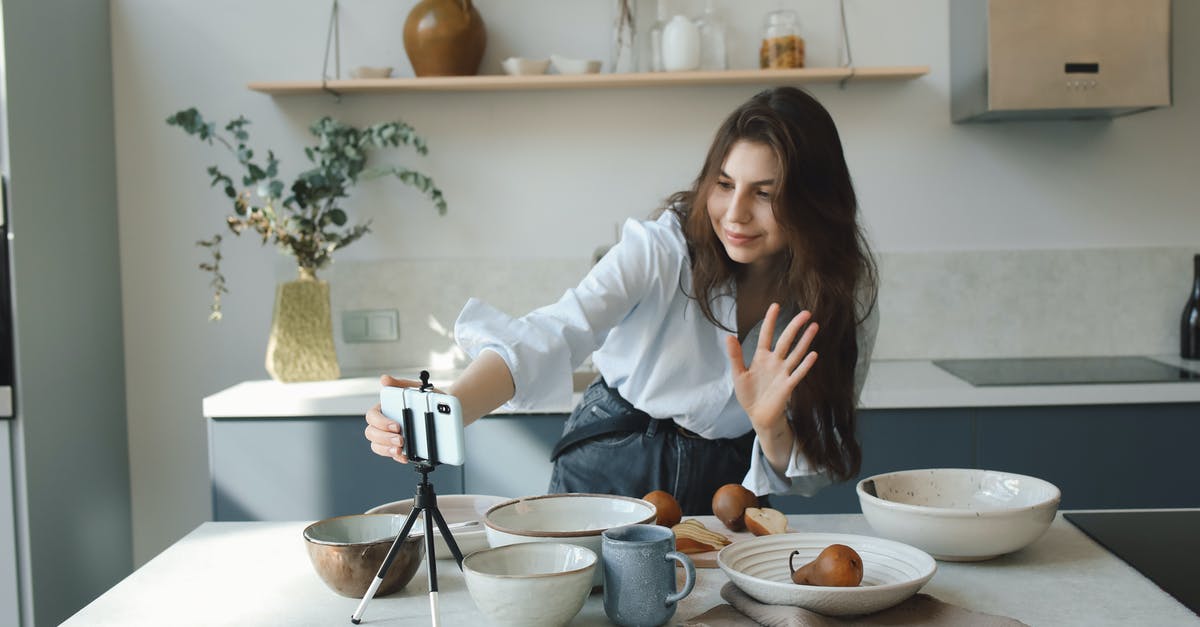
{"type": "Point", "coordinates": [301, 343]}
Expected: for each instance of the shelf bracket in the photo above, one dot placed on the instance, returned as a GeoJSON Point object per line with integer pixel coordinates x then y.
{"type": "Point", "coordinates": [332, 35]}
{"type": "Point", "coordinates": [846, 45]}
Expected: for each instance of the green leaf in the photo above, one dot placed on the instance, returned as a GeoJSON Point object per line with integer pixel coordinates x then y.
{"type": "Point", "coordinates": [338, 217]}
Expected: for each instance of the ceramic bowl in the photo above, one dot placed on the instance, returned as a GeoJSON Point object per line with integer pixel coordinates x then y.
{"type": "Point", "coordinates": [567, 65]}
{"type": "Point", "coordinates": [892, 572]}
{"type": "Point", "coordinates": [455, 508]}
{"type": "Point", "coordinates": [346, 551]}
{"type": "Point", "coordinates": [530, 585]}
{"type": "Point", "coordinates": [366, 71]}
{"type": "Point", "coordinates": [520, 66]}
{"type": "Point", "coordinates": [577, 519]}
{"type": "Point", "coordinates": [959, 514]}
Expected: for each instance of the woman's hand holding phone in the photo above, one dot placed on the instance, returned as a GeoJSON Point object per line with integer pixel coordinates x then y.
{"type": "Point", "coordinates": [385, 435]}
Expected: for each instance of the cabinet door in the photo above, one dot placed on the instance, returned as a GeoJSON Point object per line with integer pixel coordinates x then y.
{"type": "Point", "coordinates": [894, 440]}
{"type": "Point", "coordinates": [306, 469]}
{"type": "Point", "coordinates": [509, 455]}
{"type": "Point", "coordinates": [1108, 456]}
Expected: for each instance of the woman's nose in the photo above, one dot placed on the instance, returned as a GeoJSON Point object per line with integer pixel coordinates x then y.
{"type": "Point", "coordinates": [739, 207]}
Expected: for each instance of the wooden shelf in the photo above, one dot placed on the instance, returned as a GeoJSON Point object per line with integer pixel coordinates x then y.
{"type": "Point", "coordinates": [498, 82]}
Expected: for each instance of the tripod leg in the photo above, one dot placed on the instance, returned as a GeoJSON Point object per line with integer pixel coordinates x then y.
{"type": "Point", "coordinates": [356, 617]}
{"type": "Point", "coordinates": [446, 535]}
{"type": "Point", "coordinates": [431, 561]}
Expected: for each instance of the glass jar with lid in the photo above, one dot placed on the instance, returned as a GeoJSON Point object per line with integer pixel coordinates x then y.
{"type": "Point", "coordinates": [782, 45]}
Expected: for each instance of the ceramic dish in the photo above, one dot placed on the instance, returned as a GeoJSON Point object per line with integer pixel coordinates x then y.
{"type": "Point", "coordinates": [567, 65]}
{"type": "Point", "coordinates": [892, 572]}
{"type": "Point", "coordinates": [530, 585]}
{"type": "Point", "coordinates": [365, 71]}
{"type": "Point", "coordinates": [959, 514]}
{"type": "Point", "coordinates": [455, 508]}
{"type": "Point", "coordinates": [519, 66]}
{"type": "Point", "coordinates": [577, 519]}
{"type": "Point", "coordinates": [346, 552]}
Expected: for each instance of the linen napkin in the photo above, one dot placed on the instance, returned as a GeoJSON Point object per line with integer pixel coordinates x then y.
{"type": "Point", "coordinates": [920, 609]}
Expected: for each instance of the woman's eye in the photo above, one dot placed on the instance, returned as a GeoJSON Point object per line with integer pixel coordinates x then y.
{"type": "Point", "coordinates": [764, 195]}
{"type": "Point", "coordinates": [725, 185]}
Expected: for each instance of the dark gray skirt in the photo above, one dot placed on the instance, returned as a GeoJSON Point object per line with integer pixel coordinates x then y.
{"type": "Point", "coordinates": [660, 456]}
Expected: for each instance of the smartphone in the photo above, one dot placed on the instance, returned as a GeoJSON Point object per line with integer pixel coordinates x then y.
{"type": "Point", "coordinates": [447, 437]}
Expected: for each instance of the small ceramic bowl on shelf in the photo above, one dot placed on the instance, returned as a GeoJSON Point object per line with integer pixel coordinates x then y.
{"type": "Point", "coordinates": [365, 71]}
{"type": "Point", "coordinates": [567, 65]}
{"type": "Point", "coordinates": [520, 66]}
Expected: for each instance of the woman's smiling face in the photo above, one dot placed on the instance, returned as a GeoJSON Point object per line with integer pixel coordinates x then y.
{"type": "Point", "coordinates": [739, 204]}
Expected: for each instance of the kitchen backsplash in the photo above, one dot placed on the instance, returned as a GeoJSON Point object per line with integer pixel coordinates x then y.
{"type": "Point", "coordinates": [932, 305]}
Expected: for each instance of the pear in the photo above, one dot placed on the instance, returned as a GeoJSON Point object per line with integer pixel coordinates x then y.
{"type": "Point", "coordinates": [838, 566]}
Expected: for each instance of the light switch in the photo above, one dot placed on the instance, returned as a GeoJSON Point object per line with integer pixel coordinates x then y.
{"type": "Point", "coordinates": [370, 325]}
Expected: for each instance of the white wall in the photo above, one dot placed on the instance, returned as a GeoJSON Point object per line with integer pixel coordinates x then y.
{"type": "Point", "coordinates": [546, 175]}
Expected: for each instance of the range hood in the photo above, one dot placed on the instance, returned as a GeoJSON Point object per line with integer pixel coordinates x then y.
{"type": "Point", "coordinates": [1056, 59]}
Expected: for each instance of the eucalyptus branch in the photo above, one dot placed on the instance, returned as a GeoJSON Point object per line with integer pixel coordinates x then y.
{"type": "Point", "coordinates": [307, 222]}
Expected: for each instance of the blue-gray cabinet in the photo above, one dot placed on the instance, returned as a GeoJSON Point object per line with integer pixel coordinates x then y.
{"type": "Point", "coordinates": [1111, 456]}
{"type": "Point", "coordinates": [305, 468]}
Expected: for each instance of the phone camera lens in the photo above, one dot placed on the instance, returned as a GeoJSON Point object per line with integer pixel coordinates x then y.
{"type": "Point", "coordinates": [443, 408]}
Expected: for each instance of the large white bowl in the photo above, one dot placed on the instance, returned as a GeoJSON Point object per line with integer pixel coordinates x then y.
{"type": "Point", "coordinates": [959, 514]}
{"type": "Point", "coordinates": [455, 508]}
{"type": "Point", "coordinates": [892, 572]}
{"type": "Point", "coordinates": [577, 519]}
{"type": "Point", "coordinates": [530, 585]}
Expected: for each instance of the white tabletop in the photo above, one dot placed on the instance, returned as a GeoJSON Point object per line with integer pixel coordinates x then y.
{"type": "Point", "coordinates": [259, 574]}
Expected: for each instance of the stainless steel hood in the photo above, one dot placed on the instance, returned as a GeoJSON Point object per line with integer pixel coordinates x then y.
{"type": "Point", "coordinates": [1054, 59]}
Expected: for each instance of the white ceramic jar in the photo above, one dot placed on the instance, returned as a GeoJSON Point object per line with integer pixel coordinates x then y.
{"type": "Point", "coordinates": [681, 45]}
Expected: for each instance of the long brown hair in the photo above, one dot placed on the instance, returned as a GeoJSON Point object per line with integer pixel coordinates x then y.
{"type": "Point", "coordinates": [825, 268]}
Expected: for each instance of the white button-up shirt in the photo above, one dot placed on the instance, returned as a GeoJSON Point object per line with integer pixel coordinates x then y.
{"type": "Point", "coordinates": [648, 340]}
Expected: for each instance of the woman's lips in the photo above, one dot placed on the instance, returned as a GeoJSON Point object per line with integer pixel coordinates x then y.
{"type": "Point", "coordinates": [739, 239]}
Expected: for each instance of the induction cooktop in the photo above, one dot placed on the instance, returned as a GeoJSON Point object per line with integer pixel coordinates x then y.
{"type": "Point", "coordinates": [1161, 545]}
{"type": "Point", "coordinates": [1064, 370]}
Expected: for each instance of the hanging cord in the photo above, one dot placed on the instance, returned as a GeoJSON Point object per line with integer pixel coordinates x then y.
{"type": "Point", "coordinates": [846, 44]}
{"type": "Point", "coordinates": [332, 35]}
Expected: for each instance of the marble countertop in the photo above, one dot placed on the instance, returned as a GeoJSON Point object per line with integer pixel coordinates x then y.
{"type": "Point", "coordinates": [258, 573]}
{"type": "Point", "coordinates": [891, 384]}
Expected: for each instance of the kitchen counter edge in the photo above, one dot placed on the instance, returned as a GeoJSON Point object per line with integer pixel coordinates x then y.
{"type": "Point", "coordinates": [891, 384]}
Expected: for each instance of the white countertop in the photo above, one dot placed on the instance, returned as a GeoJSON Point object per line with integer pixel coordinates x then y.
{"type": "Point", "coordinates": [900, 384]}
{"type": "Point", "coordinates": [259, 574]}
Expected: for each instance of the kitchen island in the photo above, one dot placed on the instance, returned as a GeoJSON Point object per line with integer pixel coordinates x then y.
{"type": "Point", "coordinates": [257, 573]}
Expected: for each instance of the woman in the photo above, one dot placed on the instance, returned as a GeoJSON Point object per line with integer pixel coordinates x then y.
{"type": "Point", "coordinates": [706, 326]}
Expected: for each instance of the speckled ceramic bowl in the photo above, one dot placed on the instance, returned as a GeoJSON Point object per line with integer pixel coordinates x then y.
{"type": "Point", "coordinates": [577, 519]}
{"type": "Point", "coordinates": [346, 552]}
{"type": "Point", "coordinates": [959, 514]}
{"type": "Point", "coordinates": [530, 585]}
{"type": "Point", "coordinates": [892, 572]}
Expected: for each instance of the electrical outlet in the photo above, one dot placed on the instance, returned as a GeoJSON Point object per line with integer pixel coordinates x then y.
{"type": "Point", "coordinates": [370, 325]}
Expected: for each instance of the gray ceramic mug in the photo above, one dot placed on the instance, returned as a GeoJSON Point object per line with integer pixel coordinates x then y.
{"type": "Point", "coordinates": [639, 575]}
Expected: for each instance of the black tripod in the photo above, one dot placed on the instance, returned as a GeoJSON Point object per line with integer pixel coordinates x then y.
{"type": "Point", "coordinates": [425, 501]}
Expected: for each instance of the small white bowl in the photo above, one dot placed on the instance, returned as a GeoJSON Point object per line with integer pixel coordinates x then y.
{"type": "Point", "coordinates": [530, 585]}
{"type": "Point", "coordinates": [455, 508]}
{"type": "Point", "coordinates": [959, 514]}
{"type": "Point", "coordinates": [366, 71]}
{"type": "Point", "coordinates": [567, 65]}
{"type": "Point", "coordinates": [577, 519]}
{"type": "Point", "coordinates": [520, 66]}
{"type": "Point", "coordinates": [892, 572]}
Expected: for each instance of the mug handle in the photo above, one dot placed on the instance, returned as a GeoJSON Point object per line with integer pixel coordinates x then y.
{"type": "Point", "coordinates": [689, 582]}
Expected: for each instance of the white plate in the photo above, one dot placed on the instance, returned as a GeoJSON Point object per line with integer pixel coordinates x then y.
{"type": "Point", "coordinates": [455, 508]}
{"type": "Point", "coordinates": [892, 572]}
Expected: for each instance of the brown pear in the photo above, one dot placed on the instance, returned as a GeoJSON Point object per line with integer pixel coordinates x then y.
{"type": "Point", "coordinates": [837, 566]}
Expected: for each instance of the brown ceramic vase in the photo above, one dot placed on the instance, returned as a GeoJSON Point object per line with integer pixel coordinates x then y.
{"type": "Point", "coordinates": [444, 38]}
